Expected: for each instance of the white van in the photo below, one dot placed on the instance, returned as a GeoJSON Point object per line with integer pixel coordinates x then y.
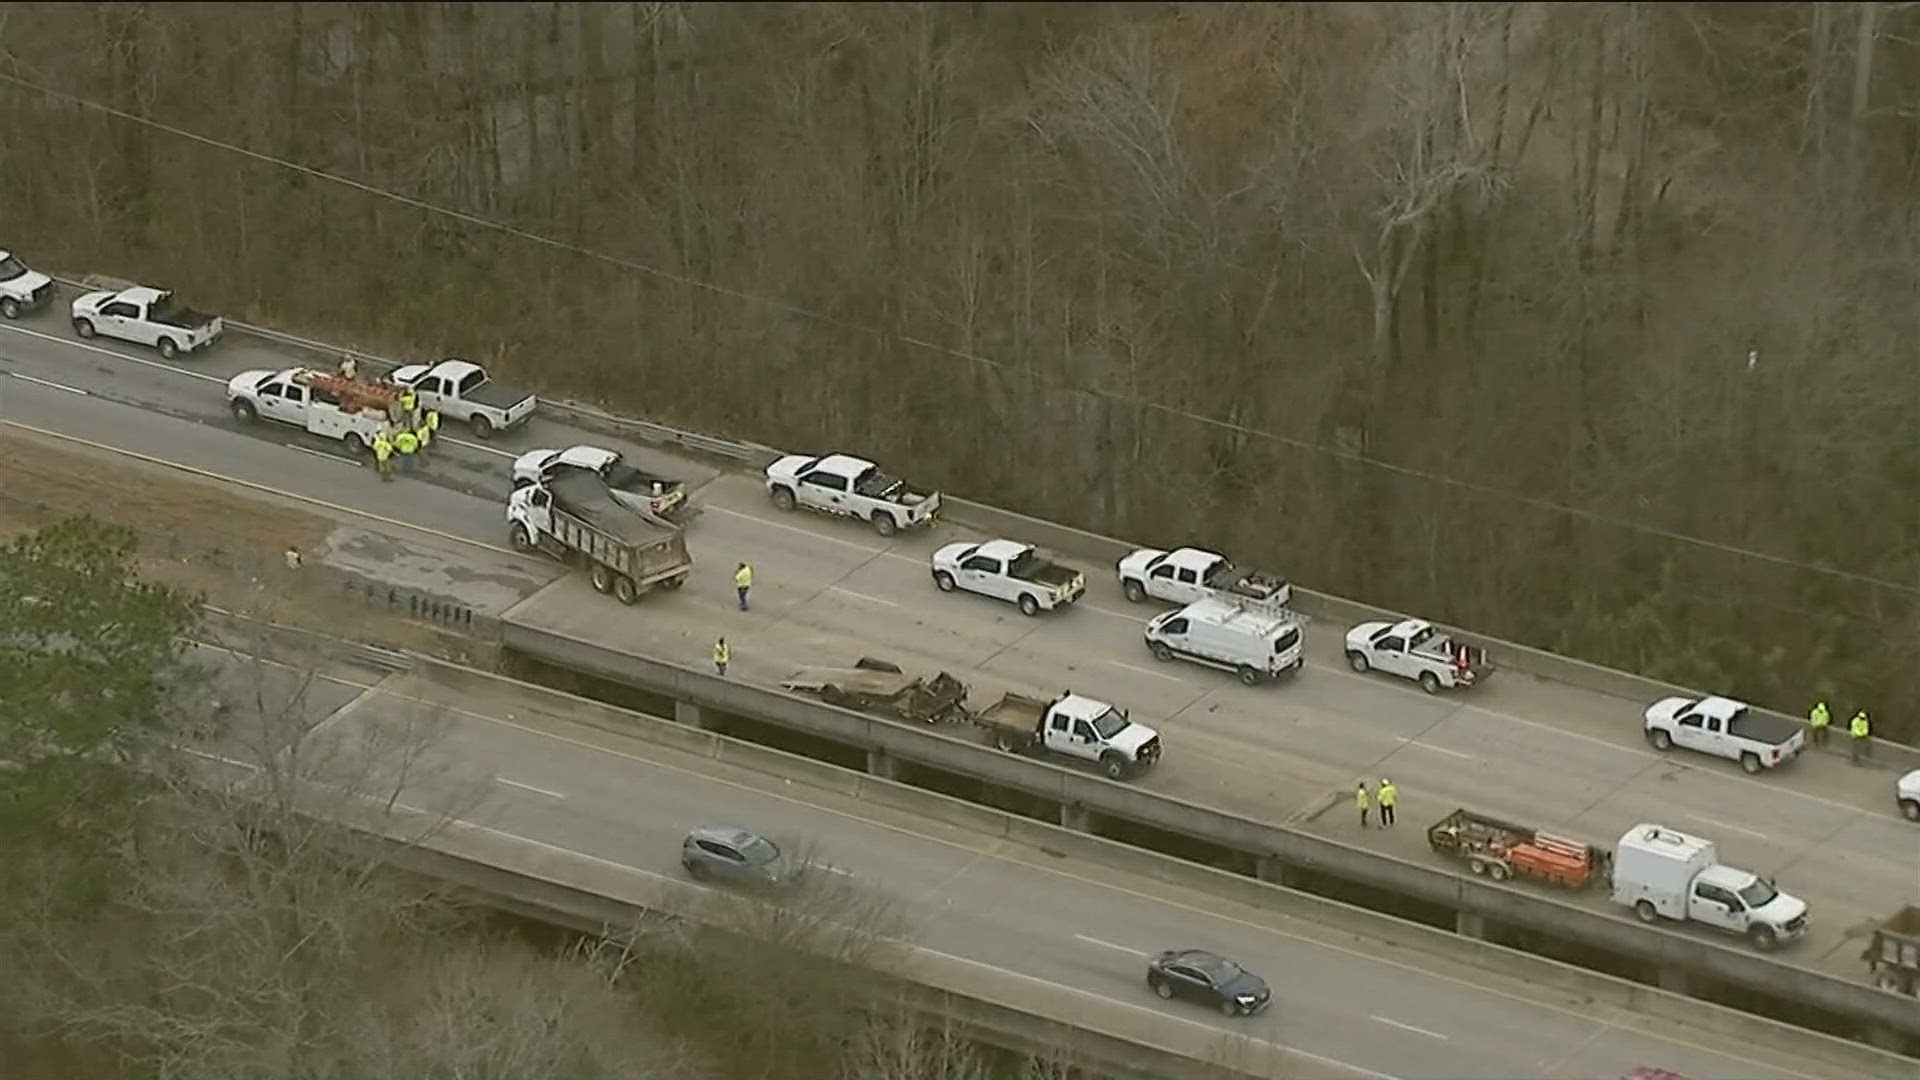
{"type": "Point", "coordinates": [1257, 641]}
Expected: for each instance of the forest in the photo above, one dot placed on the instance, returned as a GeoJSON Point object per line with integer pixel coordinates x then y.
{"type": "Point", "coordinates": [1586, 325]}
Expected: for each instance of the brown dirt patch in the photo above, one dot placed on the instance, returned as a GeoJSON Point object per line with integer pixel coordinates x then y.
{"type": "Point", "coordinates": [201, 536]}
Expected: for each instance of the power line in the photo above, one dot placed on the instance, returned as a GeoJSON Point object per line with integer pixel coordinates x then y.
{"type": "Point", "coordinates": [1594, 517]}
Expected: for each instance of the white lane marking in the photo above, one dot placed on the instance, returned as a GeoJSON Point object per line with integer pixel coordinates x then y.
{"type": "Point", "coordinates": [118, 355]}
{"type": "Point", "coordinates": [1408, 1027]}
{"type": "Point", "coordinates": [861, 595]}
{"type": "Point", "coordinates": [1108, 945]}
{"type": "Point", "coordinates": [1147, 671]}
{"type": "Point", "coordinates": [529, 787]}
{"type": "Point", "coordinates": [1724, 825]}
{"type": "Point", "coordinates": [809, 533]}
{"type": "Point", "coordinates": [831, 869]}
{"type": "Point", "coordinates": [476, 446]}
{"type": "Point", "coordinates": [1114, 614]}
{"type": "Point", "coordinates": [52, 384]}
{"type": "Point", "coordinates": [1438, 749]}
{"type": "Point", "coordinates": [335, 458]}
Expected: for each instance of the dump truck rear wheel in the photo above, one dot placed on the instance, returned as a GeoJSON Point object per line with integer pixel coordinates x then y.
{"type": "Point", "coordinates": [601, 578]}
{"type": "Point", "coordinates": [624, 590]}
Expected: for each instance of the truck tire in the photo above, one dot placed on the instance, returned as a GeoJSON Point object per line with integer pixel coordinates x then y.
{"type": "Point", "coordinates": [625, 591]}
{"type": "Point", "coordinates": [168, 348]}
{"type": "Point", "coordinates": [482, 427]}
{"type": "Point", "coordinates": [1764, 938]}
{"type": "Point", "coordinates": [1028, 605]}
{"type": "Point", "coordinates": [1499, 871]}
{"type": "Point", "coordinates": [1161, 652]}
{"type": "Point", "coordinates": [356, 445]}
{"type": "Point", "coordinates": [1358, 661]}
{"type": "Point", "coordinates": [1429, 682]}
{"type": "Point", "coordinates": [782, 498]}
{"type": "Point", "coordinates": [1660, 739]}
{"type": "Point", "coordinates": [1750, 762]}
{"type": "Point", "coordinates": [944, 580]}
{"type": "Point", "coordinates": [1136, 592]}
{"type": "Point", "coordinates": [84, 327]}
{"type": "Point", "coordinates": [601, 578]}
{"type": "Point", "coordinates": [1911, 809]}
{"type": "Point", "coordinates": [10, 308]}
{"type": "Point", "coordinates": [1114, 765]}
{"type": "Point", "coordinates": [884, 524]}
{"type": "Point", "coordinates": [520, 539]}
{"type": "Point", "coordinates": [1645, 910]}
{"type": "Point", "coordinates": [1249, 675]}
{"type": "Point", "coordinates": [243, 411]}
{"type": "Point", "coordinates": [1007, 741]}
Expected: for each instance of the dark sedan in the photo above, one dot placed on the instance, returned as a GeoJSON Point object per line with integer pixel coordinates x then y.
{"type": "Point", "coordinates": [1198, 975]}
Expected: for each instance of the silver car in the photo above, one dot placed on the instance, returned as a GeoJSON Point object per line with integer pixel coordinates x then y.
{"type": "Point", "coordinates": [735, 856]}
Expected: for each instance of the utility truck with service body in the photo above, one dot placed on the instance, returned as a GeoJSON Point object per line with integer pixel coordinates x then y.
{"type": "Point", "coordinates": [1663, 873]}
{"type": "Point", "coordinates": [880, 688]}
{"type": "Point", "coordinates": [460, 390]}
{"type": "Point", "coordinates": [322, 403]}
{"type": "Point", "coordinates": [1417, 650]}
{"type": "Point", "coordinates": [626, 552]}
{"type": "Point", "coordinates": [1724, 728]}
{"type": "Point", "coordinates": [1187, 574]}
{"type": "Point", "coordinates": [1072, 726]}
{"type": "Point", "coordinates": [660, 496]}
{"type": "Point", "coordinates": [22, 291]}
{"type": "Point", "coordinates": [850, 487]}
{"type": "Point", "coordinates": [1008, 570]}
{"type": "Point", "coordinates": [1257, 641]}
{"type": "Point", "coordinates": [144, 316]}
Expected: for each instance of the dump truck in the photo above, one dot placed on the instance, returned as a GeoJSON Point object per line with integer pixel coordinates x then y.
{"type": "Point", "coordinates": [1502, 850]}
{"type": "Point", "coordinates": [626, 551]}
{"type": "Point", "coordinates": [880, 688]}
{"type": "Point", "coordinates": [1893, 956]}
{"type": "Point", "coordinates": [1074, 726]}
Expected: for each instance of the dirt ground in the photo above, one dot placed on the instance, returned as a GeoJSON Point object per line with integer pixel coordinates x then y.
{"type": "Point", "coordinates": [198, 535]}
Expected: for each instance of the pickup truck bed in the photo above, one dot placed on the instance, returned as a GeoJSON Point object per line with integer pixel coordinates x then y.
{"type": "Point", "coordinates": [1043, 573]}
{"type": "Point", "coordinates": [495, 396]}
{"type": "Point", "coordinates": [1760, 727]}
{"type": "Point", "coordinates": [1014, 712]}
{"type": "Point", "coordinates": [184, 318]}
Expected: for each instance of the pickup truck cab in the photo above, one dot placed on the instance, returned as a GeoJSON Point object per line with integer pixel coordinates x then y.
{"type": "Point", "coordinates": [460, 390]}
{"type": "Point", "coordinates": [1416, 650]}
{"type": "Point", "coordinates": [1185, 575]}
{"type": "Point", "coordinates": [850, 487]}
{"type": "Point", "coordinates": [22, 291]}
{"type": "Point", "coordinates": [148, 317]}
{"type": "Point", "coordinates": [1008, 570]}
{"type": "Point", "coordinates": [1664, 873]}
{"type": "Point", "coordinates": [1906, 791]}
{"type": "Point", "coordinates": [1724, 728]}
{"type": "Point", "coordinates": [1074, 726]}
{"type": "Point", "coordinates": [659, 495]}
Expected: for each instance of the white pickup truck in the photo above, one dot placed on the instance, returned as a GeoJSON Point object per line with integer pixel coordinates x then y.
{"type": "Point", "coordinates": [22, 291]}
{"type": "Point", "coordinates": [1185, 575]}
{"type": "Point", "coordinates": [320, 402]}
{"type": "Point", "coordinates": [460, 390]}
{"type": "Point", "coordinates": [1724, 728]}
{"type": "Point", "coordinates": [148, 317]}
{"type": "Point", "coordinates": [1072, 726]}
{"type": "Point", "coordinates": [1008, 570]}
{"type": "Point", "coordinates": [852, 487]}
{"type": "Point", "coordinates": [1415, 650]}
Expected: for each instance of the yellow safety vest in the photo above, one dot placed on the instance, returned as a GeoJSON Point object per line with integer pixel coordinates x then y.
{"type": "Point", "coordinates": [433, 419]}
{"type": "Point", "coordinates": [1819, 718]}
{"type": "Point", "coordinates": [407, 401]}
{"type": "Point", "coordinates": [406, 442]}
{"type": "Point", "coordinates": [1388, 794]}
{"type": "Point", "coordinates": [721, 654]}
{"type": "Point", "coordinates": [382, 447]}
{"type": "Point", "coordinates": [1360, 798]}
{"type": "Point", "coordinates": [423, 433]}
{"type": "Point", "coordinates": [743, 577]}
{"type": "Point", "coordinates": [1860, 728]}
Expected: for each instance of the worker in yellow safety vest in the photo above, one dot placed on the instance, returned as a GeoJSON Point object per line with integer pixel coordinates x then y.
{"type": "Point", "coordinates": [1817, 722]}
{"type": "Point", "coordinates": [424, 432]}
{"type": "Point", "coordinates": [1862, 733]}
{"type": "Point", "coordinates": [1360, 800]}
{"type": "Point", "coordinates": [383, 454]}
{"type": "Point", "coordinates": [407, 443]}
{"type": "Point", "coordinates": [721, 656]}
{"type": "Point", "coordinates": [743, 583]}
{"type": "Point", "coordinates": [1389, 795]}
{"type": "Point", "coordinates": [433, 422]}
{"type": "Point", "coordinates": [408, 401]}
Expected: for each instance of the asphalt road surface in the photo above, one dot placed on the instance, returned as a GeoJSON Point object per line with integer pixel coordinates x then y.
{"type": "Point", "coordinates": [829, 592]}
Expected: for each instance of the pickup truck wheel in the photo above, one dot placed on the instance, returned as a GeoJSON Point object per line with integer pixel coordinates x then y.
{"type": "Point", "coordinates": [10, 307]}
{"type": "Point", "coordinates": [1136, 592]}
{"type": "Point", "coordinates": [1660, 739]}
{"type": "Point", "coordinates": [1910, 808]}
{"type": "Point", "coordinates": [1161, 652]}
{"type": "Point", "coordinates": [168, 347]}
{"type": "Point", "coordinates": [1429, 682]}
{"type": "Point", "coordinates": [601, 578]}
{"type": "Point", "coordinates": [884, 524]}
{"type": "Point", "coordinates": [83, 327]}
{"type": "Point", "coordinates": [1750, 761]}
{"type": "Point", "coordinates": [519, 538]}
{"type": "Point", "coordinates": [944, 580]}
{"type": "Point", "coordinates": [1645, 910]}
{"type": "Point", "coordinates": [1028, 605]}
{"type": "Point", "coordinates": [1358, 661]}
{"type": "Point", "coordinates": [1114, 765]}
{"type": "Point", "coordinates": [1249, 675]}
{"type": "Point", "coordinates": [482, 427]}
{"type": "Point", "coordinates": [625, 591]}
{"type": "Point", "coordinates": [782, 498]}
{"type": "Point", "coordinates": [1763, 938]}
{"type": "Point", "coordinates": [243, 411]}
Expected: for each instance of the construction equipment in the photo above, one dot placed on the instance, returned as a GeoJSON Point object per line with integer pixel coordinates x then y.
{"type": "Point", "coordinates": [1502, 850]}
{"type": "Point", "coordinates": [880, 688]}
{"type": "Point", "coordinates": [352, 395]}
{"type": "Point", "coordinates": [1893, 956]}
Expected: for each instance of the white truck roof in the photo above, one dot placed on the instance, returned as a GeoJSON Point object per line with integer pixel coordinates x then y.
{"type": "Point", "coordinates": [1719, 707]}
{"type": "Point", "coordinates": [1080, 707]}
{"type": "Point", "coordinates": [1193, 558]}
{"type": "Point", "coordinates": [1004, 550]}
{"type": "Point", "coordinates": [1670, 845]}
{"type": "Point", "coordinates": [1250, 616]}
{"type": "Point", "coordinates": [843, 464]}
{"type": "Point", "coordinates": [140, 294]}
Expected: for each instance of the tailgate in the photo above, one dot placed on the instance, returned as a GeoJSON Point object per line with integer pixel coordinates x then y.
{"type": "Point", "coordinates": [520, 412]}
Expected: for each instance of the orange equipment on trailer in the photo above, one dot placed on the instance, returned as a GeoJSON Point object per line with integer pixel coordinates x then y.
{"type": "Point", "coordinates": [1501, 849]}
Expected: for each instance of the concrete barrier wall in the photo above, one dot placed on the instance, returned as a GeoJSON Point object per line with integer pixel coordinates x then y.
{"type": "Point", "coordinates": [1504, 904]}
{"type": "Point", "coordinates": [1582, 987]}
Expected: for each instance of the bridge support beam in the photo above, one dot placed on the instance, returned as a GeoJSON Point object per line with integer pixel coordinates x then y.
{"type": "Point", "coordinates": [1673, 979]}
{"type": "Point", "coordinates": [1272, 870]}
{"type": "Point", "coordinates": [1076, 816]}
{"type": "Point", "coordinates": [881, 765]}
{"type": "Point", "coordinates": [686, 712]}
{"type": "Point", "coordinates": [1469, 924]}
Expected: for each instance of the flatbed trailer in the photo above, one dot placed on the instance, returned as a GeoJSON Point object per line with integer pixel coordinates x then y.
{"type": "Point", "coordinates": [881, 688]}
{"type": "Point", "coordinates": [1893, 954]}
{"type": "Point", "coordinates": [1502, 850]}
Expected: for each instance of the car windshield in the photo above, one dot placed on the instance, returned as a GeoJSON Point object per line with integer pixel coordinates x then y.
{"type": "Point", "coordinates": [11, 268]}
{"type": "Point", "coordinates": [1110, 723]}
{"type": "Point", "coordinates": [759, 851]}
{"type": "Point", "coordinates": [1758, 894]}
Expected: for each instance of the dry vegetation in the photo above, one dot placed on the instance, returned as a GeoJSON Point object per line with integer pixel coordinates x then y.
{"type": "Point", "coordinates": [1653, 262]}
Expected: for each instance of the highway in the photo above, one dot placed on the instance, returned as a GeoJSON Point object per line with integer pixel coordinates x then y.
{"type": "Point", "coordinates": [828, 592]}
{"type": "Point", "coordinates": [535, 765]}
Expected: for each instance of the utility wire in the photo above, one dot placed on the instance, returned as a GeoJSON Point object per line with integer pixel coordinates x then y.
{"type": "Point", "coordinates": [1594, 517]}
